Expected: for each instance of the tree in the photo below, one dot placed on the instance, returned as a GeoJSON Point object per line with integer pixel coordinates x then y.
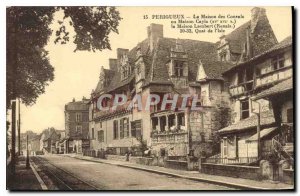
{"type": "Point", "coordinates": [28, 70]}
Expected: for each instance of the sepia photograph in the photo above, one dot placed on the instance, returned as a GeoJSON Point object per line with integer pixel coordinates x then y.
{"type": "Point", "coordinates": [113, 98]}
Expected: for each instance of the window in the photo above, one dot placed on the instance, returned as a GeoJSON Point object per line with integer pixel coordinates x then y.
{"type": "Point", "coordinates": [101, 136]}
{"type": "Point", "coordinates": [244, 108]}
{"type": "Point", "coordinates": [100, 124]}
{"type": "Point", "coordinates": [136, 129]}
{"type": "Point", "coordinates": [124, 72]}
{"type": "Point", "coordinates": [115, 129]}
{"type": "Point", "coordinates": [93, 134]}
{"type": "Point", "coordinates": [121, 128]}
{"type": "Point", "coordinates": [138, 69]}
{"type": "Point", "coordinates": [78, 129]}
{"type": "Point", "coordinates": [225, 147]}
{"type": "Point", "coordinates": [178, 68]}
{"type": "Point", "coordinates": [223, 55]}
{"type": "Point", "coordinates": [278, 62]}
{"type": "Point", "coordinates": [78, 117]}
{"type": "Point", "coordinates": [126, 127]}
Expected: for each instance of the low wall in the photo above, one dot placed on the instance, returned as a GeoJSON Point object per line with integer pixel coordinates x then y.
{"type": "Point", "coordinates": [143, 160]}
{"type": "Point", "coordinates": [175, 164]}
{"type": "Point", "coordinates": [236, 171]}
{"type": "Point", "coordinates": [288, 176]}
{"type": "Point", "coordinates": [115, 157]}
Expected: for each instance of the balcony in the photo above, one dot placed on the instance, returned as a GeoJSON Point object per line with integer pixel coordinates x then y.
{"type": "Point", "coordinates": [274, 76]}
{"type": "Point", "coordinates": [241, 88]}
{"type": "Point", "coordinates": [168, 127]}
{"type": "Point", "coordinates": [169, 137]}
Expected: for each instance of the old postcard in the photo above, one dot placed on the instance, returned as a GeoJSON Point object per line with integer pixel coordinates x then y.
{"type": "Point", "coordinates": [149, 98]}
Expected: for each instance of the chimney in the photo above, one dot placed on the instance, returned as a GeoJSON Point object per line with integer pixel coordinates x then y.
{"type": "Point", "coordinates": [154, 31]}
{"type": "Point", "coordinates": [120, 53]}
{"type": "Point", "coordinates": [257, 13]}
{"type": "Point", "coordinates": [73, 100]}
{"type": "Point", "coordinates": [113, 64]}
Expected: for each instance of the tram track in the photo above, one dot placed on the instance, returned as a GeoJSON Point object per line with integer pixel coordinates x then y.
{"type": "Point", "coordinates": [56, 178]}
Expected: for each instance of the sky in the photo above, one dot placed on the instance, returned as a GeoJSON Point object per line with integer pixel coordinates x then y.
{"type": "Point", "coordinates": [76, 74]}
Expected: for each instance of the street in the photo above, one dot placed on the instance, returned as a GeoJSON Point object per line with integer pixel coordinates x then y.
{"type": "Point", "coordinates": [66, 173]}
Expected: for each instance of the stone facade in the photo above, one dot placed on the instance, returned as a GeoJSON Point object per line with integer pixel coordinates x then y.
{"type": "Point", "coordinates": [77, 125]}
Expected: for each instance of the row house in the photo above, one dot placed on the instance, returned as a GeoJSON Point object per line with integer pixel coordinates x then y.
{"type": "Point", "coordinates": [76, 138]}
{"type": "Point", "coordinates": [161, 66]}
{"type": "Point", "coordinates": [261, 64]}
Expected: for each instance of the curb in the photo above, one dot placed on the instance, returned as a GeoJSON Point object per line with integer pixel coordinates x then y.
{"type": "Point", "coordinates": [216, 182]}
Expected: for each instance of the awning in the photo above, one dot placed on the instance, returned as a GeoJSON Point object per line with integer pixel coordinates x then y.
{"type": "Point", "coordinates": [263, 133]}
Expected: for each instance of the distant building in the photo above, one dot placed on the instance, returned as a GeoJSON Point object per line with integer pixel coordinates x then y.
{"type": "Point", "coordinates": [76, 126]}
{"type": "Point", "coordinates": [50, 139]}
{"type": "Point", "coordinates": [34, 145]}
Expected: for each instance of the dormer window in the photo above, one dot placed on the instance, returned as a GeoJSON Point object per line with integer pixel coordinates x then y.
{"type": "Point", "coordinates": [124, 72]}
{"type": "Point", "coordinates": [138, 70]}
{"type": "Point", "coordinates": [223, 55]}
{"type": "Point", "coordinates": [178, 68]}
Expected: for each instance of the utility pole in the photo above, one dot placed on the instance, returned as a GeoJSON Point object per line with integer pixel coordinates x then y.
{"type": "Point", "coordinates": [19, 130]}
{"type": "Point", "coordinates": [13, 136]}
{"type": "Point", "coordinates": [27, 153]}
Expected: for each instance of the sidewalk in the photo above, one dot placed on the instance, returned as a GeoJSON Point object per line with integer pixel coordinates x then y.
{"type": "Point", "coordinates": [24, 179]}
{"type": "Point", "coordinates": [238, 183]}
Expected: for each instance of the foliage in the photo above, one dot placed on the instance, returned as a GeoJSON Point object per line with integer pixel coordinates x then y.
{"type": "Point", "coordinates": [27, 33]}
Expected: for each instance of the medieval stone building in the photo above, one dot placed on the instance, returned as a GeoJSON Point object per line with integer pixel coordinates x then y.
{"type": "Point", "coordinates": [160, 66]}
{"type": "Point", "coordinates": [261, 63]}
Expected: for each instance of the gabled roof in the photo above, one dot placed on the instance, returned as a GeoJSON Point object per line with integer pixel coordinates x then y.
{"type": "Point", "coordinates": [116, 81]}
{"type": "Point", "coordinates": [237, 37]}
{"type": "Point", "coordinates": [266, 118]}
{"type": "Point", "coordinates": [279, 88]}
{"type": "Point", "coordinates": [108, 74]}
{"type": "Point", "coordinates": [52, 135]}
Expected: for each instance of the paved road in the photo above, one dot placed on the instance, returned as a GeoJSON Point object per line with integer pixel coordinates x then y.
{"type": "Point", "coordinates": [111, 177]}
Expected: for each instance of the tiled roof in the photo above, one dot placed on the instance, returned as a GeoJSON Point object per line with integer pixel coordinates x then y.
{"type": "Point", "coordinates": [215, 69]}
{"type": "Point", "coordinates": [276, 89]}
{"type": "Point", "coordinates": [288, 41]}
{"type": "Point", "coordinates": [116, 81]}
{"type": "Point", "coordinates": [53, 135]}
{"type": "Point", "coordinates": [263, 133]}
{"type": "Point", "coordinates": [108, 73]}
{"type": "Point", "coordinates": [266, 118]}
{"type": "Point", "coordinates": [237, 37]}
{"type": "Point", "coordinates": [196, 51]}
{"type": "Point", "coordinates": [156, 70]}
